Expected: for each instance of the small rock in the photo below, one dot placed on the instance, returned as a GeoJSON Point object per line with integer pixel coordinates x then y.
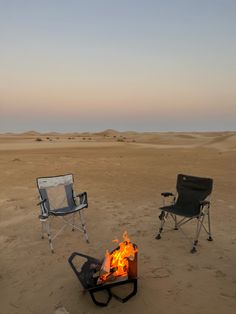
{"type": "Point", "coordinates": [61, 310]}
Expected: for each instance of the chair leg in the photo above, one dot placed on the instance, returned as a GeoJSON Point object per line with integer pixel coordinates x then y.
{"type": "Point", "coordinates": [49, 235]}
{"type": "Point", "coordinates": [73, 222]}
{"type": "Point", "coordinates": [176, 224]}
{"type": "Point", "coordinates": [42, 227]}
{"type": "Point", "coordinates": [162, 217]}
{"type": "Point", "coordinates": [83, 226]}
{"type": "Point", "coordinates": [209, 226]}
{"type": "Point", "coordinates": [200, 221]}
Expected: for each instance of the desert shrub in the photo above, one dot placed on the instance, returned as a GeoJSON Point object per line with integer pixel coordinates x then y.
{"type": "Point", "coordinates": [38, 139]}
{"type": "Point", "coordinates": [120, 140]}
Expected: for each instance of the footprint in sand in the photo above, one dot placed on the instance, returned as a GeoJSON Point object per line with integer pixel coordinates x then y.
{"type": "Point", "coordinates": [208, 267]}
{"type": "Point", "coordinates": [140, 233]}
{"type": "Point", "coordinates": [191, 267]}
{"type": "Point", "coordinates": [160, 272]}
{"type": "Point", "coordinates": [145, 259]}
{"type": "Point", "coordinates": [223, 294]}
{"type": "Point", "coordinates": [219, 274]}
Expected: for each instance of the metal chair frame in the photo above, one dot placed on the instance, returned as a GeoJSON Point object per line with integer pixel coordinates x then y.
{"type": "Point", "coordinates": [204, 212]}
{"type": "Point", "coordinates": [48, 214]}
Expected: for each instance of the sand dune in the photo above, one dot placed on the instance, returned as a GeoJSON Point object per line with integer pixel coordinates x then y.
{"type": "Point", "coordinates": [224, 141]}
{"type": "Point", "coordinates": [30, 133]}
{"type": "Point", "coordinates": [124, 176]}
{"type": "Point", "coordinates": [108, 132]}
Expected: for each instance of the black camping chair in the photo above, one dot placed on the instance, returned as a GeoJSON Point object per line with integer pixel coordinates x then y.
{"type": "Point", "coordinates": [192, 202]}
{"type": "Point", "coordinates": [57, 199]}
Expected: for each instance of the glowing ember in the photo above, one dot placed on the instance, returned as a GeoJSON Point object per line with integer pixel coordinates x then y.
{"type": "Point", "coordinates": [116, 263]}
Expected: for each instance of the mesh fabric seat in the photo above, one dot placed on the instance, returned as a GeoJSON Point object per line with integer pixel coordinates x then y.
{"type": "Point", "coordinates": [192, 202]}
{"type": "Point", "coordinates": [57, 199]}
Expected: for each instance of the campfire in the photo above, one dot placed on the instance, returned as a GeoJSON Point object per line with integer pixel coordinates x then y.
{"type": "Point", "coordinates": [118, 268]}
{"type": "Point", "coordinates": [117, 263]}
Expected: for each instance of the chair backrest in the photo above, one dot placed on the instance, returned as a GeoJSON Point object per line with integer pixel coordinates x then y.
{"type": "Point", "coordinates": [57, 191]}
{"type": "Point", "coordinates": [191, 190]}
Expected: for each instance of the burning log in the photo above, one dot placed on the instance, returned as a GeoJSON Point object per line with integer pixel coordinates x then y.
{"type": "Point", "coordinates": [106, 264]}
{"type": "Point", "coordinates": [116, 264]}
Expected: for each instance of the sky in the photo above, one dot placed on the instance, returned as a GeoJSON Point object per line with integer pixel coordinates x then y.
{"type": "Point", "coordinates": [72, 66]}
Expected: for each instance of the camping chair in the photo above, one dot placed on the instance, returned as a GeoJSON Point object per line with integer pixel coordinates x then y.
{"type": "Point", "coordinates": [57, 199]}
{"type": "Point", "coordinates": [191, 203]}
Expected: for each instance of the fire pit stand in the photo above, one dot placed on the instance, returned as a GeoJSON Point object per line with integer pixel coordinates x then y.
{"type": "Point", "coordinates": [89, 282]}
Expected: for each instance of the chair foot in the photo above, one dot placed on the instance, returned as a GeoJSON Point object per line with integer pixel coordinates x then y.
{"type": "Point", "coordinates": [73, 229]}
{"type": "Point", "coordinates": [209, 238]}
{"type": "Point", "coordinates": [193, 250]}
{"type": "Point", "coordinates": [176, 228]}
{"type": "Point", "coordinates": [87, 241]}
{"type": "Point", "coordinates": [42, 237]}
{"type": "Point", "coordinates": [52, 251]}
{"type": "Point", "coordinates": [158, 237]}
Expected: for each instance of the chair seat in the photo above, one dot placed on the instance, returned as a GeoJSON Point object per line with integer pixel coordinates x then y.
{"type": "Point", "coordinates": [177, 210]}
{"type": "Point", "coordinates": [67, 210]}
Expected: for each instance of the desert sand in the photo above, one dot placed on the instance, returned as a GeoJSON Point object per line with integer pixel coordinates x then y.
{"type": "Point", "coordinates": [124, 174]}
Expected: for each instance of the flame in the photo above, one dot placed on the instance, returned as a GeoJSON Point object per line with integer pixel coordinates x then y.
{"type": "Point", "coordinates": [118, 259]}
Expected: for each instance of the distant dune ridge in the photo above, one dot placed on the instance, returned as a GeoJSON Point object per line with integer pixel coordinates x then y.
{"type": "Point", "coordinates": [222, 141]}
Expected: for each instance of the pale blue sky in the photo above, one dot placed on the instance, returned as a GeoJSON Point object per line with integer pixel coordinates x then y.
{"type": "Point", "coordinates": [129, 65]}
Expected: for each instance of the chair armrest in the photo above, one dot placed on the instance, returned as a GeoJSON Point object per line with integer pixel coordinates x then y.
{"type": "Point", "coordinates": [44, 211]}
{"type": "Point", "coordinates": [167, 194]}
{"type": "Point", "coordinates": [41, 202]}
{"type": "Point", "coordinates": [83, 198]}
